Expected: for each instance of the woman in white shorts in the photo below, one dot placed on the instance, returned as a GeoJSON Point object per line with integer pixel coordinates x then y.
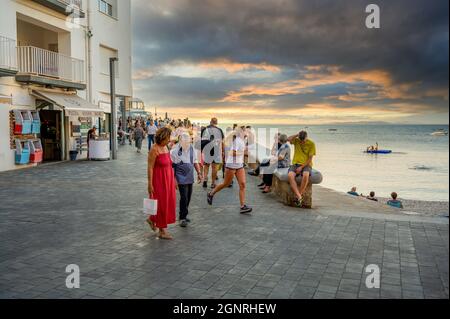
{"type": "Point", "coordinates": [234, 166]}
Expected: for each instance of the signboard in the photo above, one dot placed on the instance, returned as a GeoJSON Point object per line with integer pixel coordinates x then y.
{"type": "Point", "coordinates": [74, 113]}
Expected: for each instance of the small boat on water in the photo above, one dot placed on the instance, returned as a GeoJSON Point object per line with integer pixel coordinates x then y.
{"type": "Point", "coordinates": [379, 152]}
{"type": "Point", "coordinates": [440, 132]}
{"type": "Point", "coordinates": [332, 130]}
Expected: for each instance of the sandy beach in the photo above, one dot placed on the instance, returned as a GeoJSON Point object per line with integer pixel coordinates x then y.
{"type": "Point", "coordinates": [333, 202]}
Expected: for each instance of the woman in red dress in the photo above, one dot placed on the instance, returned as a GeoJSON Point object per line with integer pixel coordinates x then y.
{"type": "Point", "coordinates": [161, 184]}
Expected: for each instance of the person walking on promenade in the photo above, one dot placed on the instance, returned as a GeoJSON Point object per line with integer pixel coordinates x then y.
{"type": "Point", "coordinates": [305, 150]}
{"type": "Point", "coordinates": [151, 132]}
{"type": "Point", "coordinates": [139, 136]}
{"type": "Point", "coordinates": [130, 131]}
{"type": "Point", "coordinates": [184, 160]}
{"type": "Point", "coordinates": [234, 167]}
{"type": "Point", "coordinates": [161, 184]}
{"type": "Point", "coordinates": [212, 149]}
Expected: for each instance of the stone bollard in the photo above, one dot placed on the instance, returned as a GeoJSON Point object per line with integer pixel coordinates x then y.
{"type": "Point", "coordinates": [283, 191]}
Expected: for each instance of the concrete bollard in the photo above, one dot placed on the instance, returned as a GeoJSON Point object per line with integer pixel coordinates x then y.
{"type": "Point", "coordinates": [283, 191]}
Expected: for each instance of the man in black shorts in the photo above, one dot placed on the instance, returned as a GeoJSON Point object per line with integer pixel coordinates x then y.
{"type": "Point", "coordinates": [212, 150]}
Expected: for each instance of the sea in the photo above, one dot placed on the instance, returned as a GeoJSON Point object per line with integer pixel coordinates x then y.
{"type": "Point", "coordinates": [417, 169]}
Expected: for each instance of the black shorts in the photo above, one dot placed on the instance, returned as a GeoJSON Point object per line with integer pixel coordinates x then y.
{"type": "Point", "coordinates": [294, 168]}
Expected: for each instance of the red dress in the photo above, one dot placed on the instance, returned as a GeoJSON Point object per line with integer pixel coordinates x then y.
{"type": "Point", "coordinates": [164, 191]}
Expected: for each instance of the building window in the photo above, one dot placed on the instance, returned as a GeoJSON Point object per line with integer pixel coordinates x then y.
{"type": "Point", "coordinates": [105, 55]}
{"type": "Point", "coordinates": [108, 7]}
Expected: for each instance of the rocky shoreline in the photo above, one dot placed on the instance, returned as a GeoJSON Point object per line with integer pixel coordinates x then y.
{"type": "Point", "coordinates": [423, 208]}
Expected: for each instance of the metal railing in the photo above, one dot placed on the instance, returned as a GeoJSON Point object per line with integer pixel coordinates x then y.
{"type": "Point", "coordinates": [8, 55]}
{"type": "Point", "coordinates": [42, 62]}
{"type": "Point", "coordinates": [76, 3]}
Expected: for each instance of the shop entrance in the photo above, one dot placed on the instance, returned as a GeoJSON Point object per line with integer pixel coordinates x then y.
{"type": "Point", "coordinates": [51, 135]}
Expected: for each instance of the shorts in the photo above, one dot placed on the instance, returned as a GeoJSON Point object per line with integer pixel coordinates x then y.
{"type": "Point", "coordinates": [211, 158]}
{"type": "Point", "coordinates": [294, 168]}
{"type": "Point", "coordinates": [234, 168]}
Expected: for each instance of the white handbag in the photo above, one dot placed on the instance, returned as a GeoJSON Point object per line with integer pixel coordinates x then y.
{"type": "Point", "coordinates": [150, 207]}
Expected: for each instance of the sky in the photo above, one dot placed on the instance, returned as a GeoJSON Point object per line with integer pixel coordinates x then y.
{"type": "Point", "coordinates": [293, 61]}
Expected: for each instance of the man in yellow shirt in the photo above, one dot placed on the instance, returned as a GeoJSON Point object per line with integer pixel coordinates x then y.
{"type": "Point", "coordinates": [305, 150]}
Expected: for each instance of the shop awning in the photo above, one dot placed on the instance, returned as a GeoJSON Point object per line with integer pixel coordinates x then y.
{"type": "Point", "coordinates": [71, 103]}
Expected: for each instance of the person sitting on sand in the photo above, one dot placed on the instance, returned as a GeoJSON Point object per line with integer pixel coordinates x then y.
{"type": "Point", "coordinates": [394, 202]}
{"type": "Point", "coordinates": [372, 197]}
{"type": "Point", "coordinates": [353, 192]}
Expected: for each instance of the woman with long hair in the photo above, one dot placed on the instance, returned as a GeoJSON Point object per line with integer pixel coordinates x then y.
{"type": "Point", "coordinates": [161, 184]}
{"type": "Point", "coordinates": [234, 167]}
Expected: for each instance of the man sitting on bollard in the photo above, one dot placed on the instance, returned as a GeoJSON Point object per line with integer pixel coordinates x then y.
{"type": "Point", "coordinates": [305, 150]}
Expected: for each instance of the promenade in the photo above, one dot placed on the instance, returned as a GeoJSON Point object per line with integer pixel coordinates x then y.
{"type": "Point", "coordinates": [89, 214]}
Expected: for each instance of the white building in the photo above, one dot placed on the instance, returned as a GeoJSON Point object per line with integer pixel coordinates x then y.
{"type": "Point", "coordinates": [54, 62]}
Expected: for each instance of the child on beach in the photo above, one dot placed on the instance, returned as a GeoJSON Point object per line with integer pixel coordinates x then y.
{"type": "Point", "coordinates": [372, 197]}
{"type": "Point", "coordinates": [353, 192]}
{"type": "Point", "coordinates": [394, 202]}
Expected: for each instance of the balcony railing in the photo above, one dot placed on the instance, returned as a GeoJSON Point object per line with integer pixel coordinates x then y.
{"type": "Point", "coordinates": [77, 3]}
{"type": "Point", "coordinates": [50, 64]}
{"type": "Point", "coordinates": [8, 55]}
{"type": "Point", "coordinates": [66, 7]}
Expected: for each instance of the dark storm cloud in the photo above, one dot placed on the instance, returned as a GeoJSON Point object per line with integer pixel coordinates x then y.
{"type": "Point", "coordinates": [412, 44]}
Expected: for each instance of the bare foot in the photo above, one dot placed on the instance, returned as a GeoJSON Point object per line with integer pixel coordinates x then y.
{"type": "Point", "coordinates": [165, 236]}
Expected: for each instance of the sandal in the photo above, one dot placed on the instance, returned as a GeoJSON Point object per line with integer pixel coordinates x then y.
{"type": "Point", "coordinates": [165, 236]}
{"type": "Point", "coordinates": [152, 225]}
{"type": "Point", "coordinates": [298, 202]}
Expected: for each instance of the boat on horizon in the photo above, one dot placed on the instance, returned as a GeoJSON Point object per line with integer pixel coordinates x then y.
{"type": "Point", "coordinates": [440, 132]}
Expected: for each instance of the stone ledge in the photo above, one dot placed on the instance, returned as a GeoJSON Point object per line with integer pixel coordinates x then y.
{"type": "Point", "coordinates": [283, 190]}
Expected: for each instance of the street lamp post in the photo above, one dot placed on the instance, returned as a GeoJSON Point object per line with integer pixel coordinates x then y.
{"type": "Point", "coordinates": [112, 72]}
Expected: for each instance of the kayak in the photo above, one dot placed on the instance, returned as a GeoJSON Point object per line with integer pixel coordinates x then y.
{"type": "Point", "coordinates": [379, 152]}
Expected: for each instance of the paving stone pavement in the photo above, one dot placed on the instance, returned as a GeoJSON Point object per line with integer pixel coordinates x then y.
{"type": "Point", "coordinates": [89, 214]}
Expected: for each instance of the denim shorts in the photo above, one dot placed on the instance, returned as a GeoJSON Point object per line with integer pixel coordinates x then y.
{"type": "Point", "coordinates": [293, 169]}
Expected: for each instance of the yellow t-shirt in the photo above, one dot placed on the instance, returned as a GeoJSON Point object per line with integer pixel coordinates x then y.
{"type": "Point", "coordinates": [303, 152]}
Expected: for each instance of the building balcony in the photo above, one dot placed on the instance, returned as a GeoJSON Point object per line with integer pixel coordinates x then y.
{"type": "Point", "coordinates": [66, 7]}
{"type": "Point", "coordinates": [8, 57]}
{"type": "Point", "coordinates": [39, 66]}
